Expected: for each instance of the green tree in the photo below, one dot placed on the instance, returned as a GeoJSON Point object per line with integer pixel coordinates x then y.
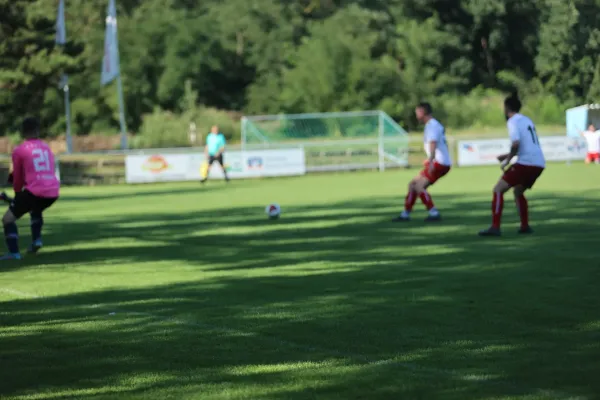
{"type": "Point", "coordinates": [333, 68]}
{"type": "Point", "coordinates": [569, 47]}
{"type": "Point", "coordinates": [271, 56]}
{"type": "Point", "coordinates": [30, 63]}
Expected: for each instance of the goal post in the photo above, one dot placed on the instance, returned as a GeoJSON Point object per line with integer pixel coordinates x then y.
{"type": "Point", "coordinates": [332, 141]}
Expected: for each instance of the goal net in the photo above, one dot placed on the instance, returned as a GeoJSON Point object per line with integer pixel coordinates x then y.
{"type": "Point", "coordinates": [332, 141]}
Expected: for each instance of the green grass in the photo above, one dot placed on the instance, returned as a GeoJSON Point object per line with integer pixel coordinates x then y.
{"type": "Point", "coordinates": [186, 292]}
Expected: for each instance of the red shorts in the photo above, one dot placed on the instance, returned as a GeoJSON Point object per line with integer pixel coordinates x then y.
{"type": "Point", "coordinates": [519, 174]}
{"type": "Point", "coordinates": [439, 170]}
{"type": "Point", "coordinates": [592, 157]}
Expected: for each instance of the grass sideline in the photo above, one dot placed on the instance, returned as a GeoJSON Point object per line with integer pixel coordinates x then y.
{"type": "Point", "coordinates": [109, 168]}
{"type": "Point", "coordinates": [453, 134]}
{"type": "Point", "coordinates": [188, 292]}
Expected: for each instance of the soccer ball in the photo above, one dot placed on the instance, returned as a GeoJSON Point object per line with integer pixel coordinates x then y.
{"type": "Point", "coordinates": [273, 211]}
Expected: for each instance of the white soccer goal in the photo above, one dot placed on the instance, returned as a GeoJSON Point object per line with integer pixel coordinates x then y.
{"type": "Point", "coordinates": [332, 141]}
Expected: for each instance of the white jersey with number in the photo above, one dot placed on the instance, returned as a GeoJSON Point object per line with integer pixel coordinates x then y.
{"type": "Point", "coordinates": [435, 132]}
{"type": "Point", "coordinates": [522, 129]}
{"type": "Point", "coordinates": [593, 141]}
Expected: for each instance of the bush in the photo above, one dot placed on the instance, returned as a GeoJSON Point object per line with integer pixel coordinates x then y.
{"type": "Point", "coordinates": [545, 109]}
{"type": "Point", "coordinates": [205, 118]}
{"type": "Point", "coordinates": [484, 108]}
{"type": "Point", "coordinates": [479, 108]}
{"type": "Point", "coordinates": [163, 129]}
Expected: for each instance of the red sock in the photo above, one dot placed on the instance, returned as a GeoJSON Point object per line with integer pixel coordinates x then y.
{"type": "Point", "coordinates": [523, 208]}
{"type": "Point", "coordinates": [497, 205]}
{"type": "Point", "coordinates": [426, 199]}
{"type": "Point", "coordinates": [409, 202]}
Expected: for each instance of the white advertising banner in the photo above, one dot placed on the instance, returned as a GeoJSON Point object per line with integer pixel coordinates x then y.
{"type": "Point", "coordinates": [159, 168]}
{"type": "Point", "coordinates": [576, 148]}
{"type": "Point", "coordinates": [484, 152]}
{"type": "Point", "coordinates": [274, 163]}
{"type": "Point", "coordinates": [481, 152]}
{"type": "Point", "coordinates": [186, 167]}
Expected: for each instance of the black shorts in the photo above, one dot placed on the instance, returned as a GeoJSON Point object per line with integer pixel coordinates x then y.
{"type": "Point", "coordinates": [219, 159]}
{"type": "Point", "coordinates": [26, 202]}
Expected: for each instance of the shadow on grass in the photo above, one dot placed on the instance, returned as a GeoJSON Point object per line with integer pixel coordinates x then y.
{"type": "Point", "coordinates": [332, 302]}
{"type": "Point", "coordinates": [140, 191]}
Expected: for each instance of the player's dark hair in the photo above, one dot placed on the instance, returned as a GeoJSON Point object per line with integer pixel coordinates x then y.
{"type": "Point", "coordinates": [426, 107]}
{"type": "Point", "coordinates": [512, 103]}
{"type": "Point", "coordinates": [30, 126]}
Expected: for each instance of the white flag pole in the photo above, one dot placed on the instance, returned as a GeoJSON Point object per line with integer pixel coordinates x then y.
{"type": "Point", "coordinates": [110, 65]}
{"type": "Point", "coordinates": [61, 39]}
{"type": "Point", "coordinates": [68, 114]}
{"type": "Point", "coordinates": [122, 114]}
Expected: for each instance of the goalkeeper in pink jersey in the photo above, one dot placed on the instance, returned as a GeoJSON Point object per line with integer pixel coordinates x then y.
{"type": "Point", "coordinates": [36, 188]}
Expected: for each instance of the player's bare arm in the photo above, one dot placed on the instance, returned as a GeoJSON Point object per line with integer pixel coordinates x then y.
{"type": "Point", "coordinates": [505, 158]}
{"type": "Point", "coordinates": [431, 159]}
{"type": "Point", "coordinates": [514, 149]}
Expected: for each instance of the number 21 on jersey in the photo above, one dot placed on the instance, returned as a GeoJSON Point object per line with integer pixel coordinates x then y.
{"type": "Point", "coordinates": [41, 160]}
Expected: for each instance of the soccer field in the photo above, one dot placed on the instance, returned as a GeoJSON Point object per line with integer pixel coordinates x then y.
{"type": "Point", "coordinates": [183, 291]}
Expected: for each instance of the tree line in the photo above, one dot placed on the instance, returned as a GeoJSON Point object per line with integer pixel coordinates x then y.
{"type": "Point", "coordinates": [294, 56]}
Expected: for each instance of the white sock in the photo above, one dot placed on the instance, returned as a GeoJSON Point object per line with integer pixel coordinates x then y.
{"type": "Point", "coordinates": [405, 214]}
{"type": "Point", "coordinates": [434, 211]}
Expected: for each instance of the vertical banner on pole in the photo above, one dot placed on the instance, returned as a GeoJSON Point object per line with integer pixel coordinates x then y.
{"type": "Point", "coordinates": [61, 39]}
{"type": "Point", "coordinates": [111, 66]}
{"type": "Point", "coordinates": [380, 145]}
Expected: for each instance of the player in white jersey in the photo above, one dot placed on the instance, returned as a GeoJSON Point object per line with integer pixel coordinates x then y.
{"type": "Point", "coordinates": [437, 165]}
{"type": "Point", "coordinates": [592, 137]}
{"type": "Point", "coordinates": [523, 173]}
